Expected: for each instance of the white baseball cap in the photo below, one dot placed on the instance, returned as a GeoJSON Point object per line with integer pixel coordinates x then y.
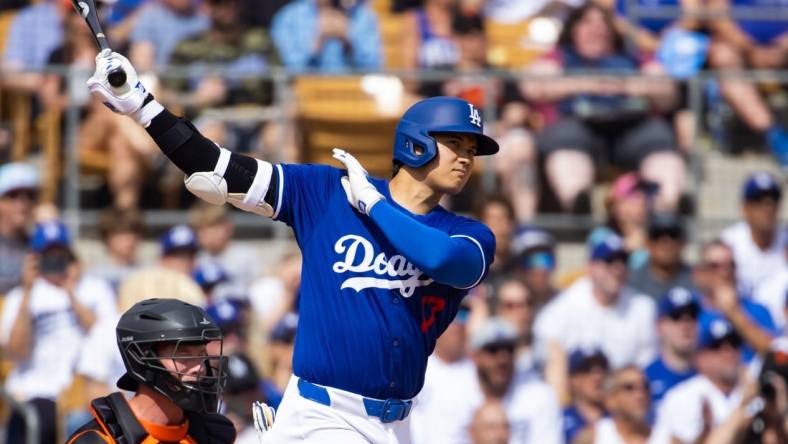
{"type": "Point", "coordinates": [14, 176]}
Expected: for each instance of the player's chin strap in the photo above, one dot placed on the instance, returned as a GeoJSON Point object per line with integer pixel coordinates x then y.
{"type": "Point", "coordinates": [211, 186]}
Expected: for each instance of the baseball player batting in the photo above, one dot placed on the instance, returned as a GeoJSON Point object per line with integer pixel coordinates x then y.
{"type": "Point", "coordinates": [384, 269]}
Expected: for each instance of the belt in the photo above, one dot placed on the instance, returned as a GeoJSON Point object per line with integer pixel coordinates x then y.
{"type": "Point", "coordinates": [388, 410]}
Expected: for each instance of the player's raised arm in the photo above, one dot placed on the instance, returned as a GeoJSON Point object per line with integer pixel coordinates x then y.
{"type": "Point", "coordinates": [214, 174]}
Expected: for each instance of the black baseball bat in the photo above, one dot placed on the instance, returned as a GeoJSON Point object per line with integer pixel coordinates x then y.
{"type": "Point", "coordinates": [87, 9]}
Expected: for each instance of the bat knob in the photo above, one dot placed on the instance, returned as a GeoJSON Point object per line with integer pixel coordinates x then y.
{"type": "Point", "coordinates": [117, 78]}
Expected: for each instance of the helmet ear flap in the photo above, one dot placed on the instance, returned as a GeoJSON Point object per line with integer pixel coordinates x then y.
{"type": "Point", "coordinates": [414, 146]}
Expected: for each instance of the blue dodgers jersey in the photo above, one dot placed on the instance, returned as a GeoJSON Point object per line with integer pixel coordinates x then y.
{"type": "Point", "coordinates": [368, 318]}
{"type": "Point", "coordinates": [661, 378]}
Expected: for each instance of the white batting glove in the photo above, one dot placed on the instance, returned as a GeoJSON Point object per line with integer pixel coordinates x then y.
{"type": "Point", "coordinates": [128, 98]}
{"type": "Point", "coordinates": [263, 417]}
{"type": "Point", "coordinates": [360, 193]}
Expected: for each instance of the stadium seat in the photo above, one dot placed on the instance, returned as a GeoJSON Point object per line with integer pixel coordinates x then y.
{"type": "Point", "coordinates": [337, 112]}
{"type": "Point", "coordinates": [509, 45]}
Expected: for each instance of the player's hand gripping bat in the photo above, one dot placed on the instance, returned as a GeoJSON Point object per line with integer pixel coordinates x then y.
{"type": "Point", "coordinates": [87, 9]}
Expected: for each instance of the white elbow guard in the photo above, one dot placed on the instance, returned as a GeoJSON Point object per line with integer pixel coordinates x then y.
{"type": "Point", "coordinates": [212, 187]}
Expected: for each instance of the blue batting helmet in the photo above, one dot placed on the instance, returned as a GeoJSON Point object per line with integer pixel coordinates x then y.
{"type": "Point", "coordinates": [437, 115]}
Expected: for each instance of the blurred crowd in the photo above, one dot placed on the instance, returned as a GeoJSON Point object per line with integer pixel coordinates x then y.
{"type": "Point", "coordinates": [602, 92]}
{"type": "Point", "coordinates": [639, 345]}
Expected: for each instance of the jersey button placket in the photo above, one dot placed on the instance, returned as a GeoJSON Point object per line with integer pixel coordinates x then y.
{"type": "Point", "coordinates": [395, 300]}
{"type": "Point", "coordinates": [395, 343]}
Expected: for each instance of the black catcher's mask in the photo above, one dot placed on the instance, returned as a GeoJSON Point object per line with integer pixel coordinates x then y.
{"type": "Point", "coordinates": [159, 330]}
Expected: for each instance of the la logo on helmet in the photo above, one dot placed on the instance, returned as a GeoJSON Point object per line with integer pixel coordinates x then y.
{"type": "Point", "coordinates": [475, 117]}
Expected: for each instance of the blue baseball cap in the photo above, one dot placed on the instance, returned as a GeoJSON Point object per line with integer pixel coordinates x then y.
{"type": "Point", "coordinates": [50, 234]}
{"type": "Point", "coordinates": [227, 313]}
{"type": "Point", "coordinates": [582, 360]}
{"type": "Point", "coordinates": [208, 274]}
{"type": "Point", "coordinates": [678, 300]}
{"type": "Point", "coordinates": [533, 248]}
{"type": "Point", "coordinates": [716, 330]}
{"type": "Point", "coordinates": [285, 329]}
{"type": "Point", "coordinates": [761, 184]}
{"type": "Point", "coordinates": [178, 238]}
{"type": "Point", "coordinates": [682, 52]}
{"type": "Point", "coordinates": [18, 176]}
{"type": "Point", "coordinates": [607, 247]}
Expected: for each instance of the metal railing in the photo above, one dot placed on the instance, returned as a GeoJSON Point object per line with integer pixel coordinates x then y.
{"type": "Point", "coordinates": [283, 98]}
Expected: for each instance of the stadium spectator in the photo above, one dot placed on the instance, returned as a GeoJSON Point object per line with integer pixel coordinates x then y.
{"type": "Point", "coordinates": [43, 325]}
{"type": "Point", "coordinates": [517, 306]}
{"type": "Point", "coordinates": [227, 42]}
{"type": "Point", "coordinates": [19, 186]}
{"type": "Point", "coordinates": [158, 30]}
{"type": "Point", "coordinates": [103, 135]}
{"type": "Point", "coordinates": [443, 413]}
{"type": "Point", "coordinates": [643, 19]}
{"type": "Point", "coordinates": [121, 233]}
{"type": "Point", "coordinates": [232, 317]}
{"type": "Point", "coordinates": [533, 252]}
{"type": "Point", "coordinates": [740, 43]}
{"type": "Point", "coordinates": [497, 212]}
{"type": "Point", "coordinates": [715, 391]}
{"type": "Point", "coordinates": [78, 49]}
{"type": "Point", "coordinates": [120, 18]}
{"type": "Point", "coordinates": [279, 362]}
{"type": "Point", "coordinates": [427, 41]}
{"type": "Point", "coordinates": [598, 311]}
{"type": "Point", "coordinates": [211, 277]}
{"type": "Point", "coordinates": [531, 405]}
{"type": "Point", "coordinates": [588, 370]}
{"type": "Point", "coordinates": [243, 388]}
{"type": "Point", "coordinates": [715, 277]}
{"type": "Point", "coordinates": [627, 400]}
{"type": "Point", "coordinates": [604, 120]}
{"type": "Point", "coordinates": [490, 424]}
{"type": "Point", "coordinates": [327, 36]}
{"type": "Point", "coordinates": [772, 293]}
{"type": "Point", "coordinates": [759, 241]}
{"type": "Point", "coordinates": [627, 205]}
{"type": "Point", "coordinates": [665, 267]}
{"type": "Point", "coordinates": [34, 33]}
{"type": "Point", "coordinates": [677, 328]}
{"type": "Point", "coordinates": [275, 294]}
{"type": "Point", "coordinates": [215, 229]}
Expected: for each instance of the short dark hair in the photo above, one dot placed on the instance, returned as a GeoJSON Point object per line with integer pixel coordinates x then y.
{"type": "Point", "coordinates": [117, 220]}
{"type": "Point", "coordinates": [500, 199]}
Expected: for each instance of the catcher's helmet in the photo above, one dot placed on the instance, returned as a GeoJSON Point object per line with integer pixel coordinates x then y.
{"type": "Point", "coordinates": [151, 324]}
{"type": "Point", "coordinates": [437, 115]}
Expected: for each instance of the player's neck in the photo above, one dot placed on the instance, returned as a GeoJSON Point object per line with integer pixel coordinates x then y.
{"type": "Point", "coordinates": [413, 195]}
{"type": "Point", "coordinates": [150, 406]}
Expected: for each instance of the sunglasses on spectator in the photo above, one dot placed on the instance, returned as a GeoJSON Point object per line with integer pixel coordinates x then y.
{"type": "Point", "coordinates": [511, 305]}
{"type": "Point", "coordinates": [732, 341]}
{"type": "Point", "coordinates": [31, 195]}
{"type": "Point", "coordinates": [617, 259]}
{"type": "Point", "coordinates": [672, 233]}
{"type": "Point", "coordinates": [712, 265]}
{"type": "Point", "coordinates": [631, 387]}
{"type": "Point", "coordinates": [691, 313]}
{"type": "Point", "coordinates": [495, 348]}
